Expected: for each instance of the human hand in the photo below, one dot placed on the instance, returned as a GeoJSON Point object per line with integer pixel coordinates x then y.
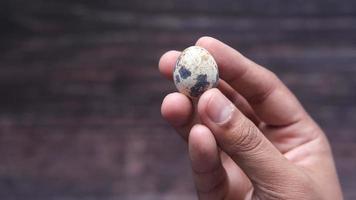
{"type": "Point", "coordinates": [255, 140]}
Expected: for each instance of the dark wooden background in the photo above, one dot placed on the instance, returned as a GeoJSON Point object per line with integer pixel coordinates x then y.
{"type": "Point", "coordinates": [80, 92]}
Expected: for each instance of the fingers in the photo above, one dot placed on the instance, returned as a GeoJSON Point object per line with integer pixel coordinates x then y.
{"type": "Point", "coordinates": [178, 110]}
{"type": "Point", "coordinates": [271, 100]}
{"type": "Point", "coordinates": [239, 101]}
{"type": "Point", "coordinates": [167, 63]}
{"type": "Point", "coordinates": [240, 138]}
{"type": "Point", "coordinates": [259, 86]}
{"type": "Point", "coordinates": [209, 174]}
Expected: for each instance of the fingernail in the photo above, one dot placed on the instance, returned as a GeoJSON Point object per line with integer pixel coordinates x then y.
{"type": "Point", "coordinates": [219, 108]}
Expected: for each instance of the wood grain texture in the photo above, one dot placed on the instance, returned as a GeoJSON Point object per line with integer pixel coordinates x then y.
{"type": "Point", "coordinates": [80, 90]}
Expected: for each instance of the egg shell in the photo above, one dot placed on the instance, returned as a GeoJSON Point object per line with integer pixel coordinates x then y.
{"type": "Point", "coordinates": [195, 72]}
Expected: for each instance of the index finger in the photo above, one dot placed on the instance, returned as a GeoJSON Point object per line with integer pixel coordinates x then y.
{"type": "Point", "coordinates": [269, 97]}
{"type": "Point", "coordinates": [167, 62]}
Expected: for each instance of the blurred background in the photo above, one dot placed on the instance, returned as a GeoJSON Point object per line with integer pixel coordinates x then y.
{"type": "Point", "coordinates": [80, 92]}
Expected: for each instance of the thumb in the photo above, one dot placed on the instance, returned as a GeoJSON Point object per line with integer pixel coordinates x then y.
{"type": "Point", "coordinates": [243, 141]}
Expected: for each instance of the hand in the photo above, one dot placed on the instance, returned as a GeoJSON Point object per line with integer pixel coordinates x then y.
{"type": "Point", "coordinates": [255, 140]}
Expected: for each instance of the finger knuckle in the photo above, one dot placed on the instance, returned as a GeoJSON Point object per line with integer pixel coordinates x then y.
{"type": "Point", "coordinates": [210, 182]}
{"type": "Point", "coordinates": [266, 89]}
{"type": "Point", "coordinates": [246, 137]}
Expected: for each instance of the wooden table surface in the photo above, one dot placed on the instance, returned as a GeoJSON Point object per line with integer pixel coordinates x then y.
{"type": "Point", "coordinates": [80, 92]}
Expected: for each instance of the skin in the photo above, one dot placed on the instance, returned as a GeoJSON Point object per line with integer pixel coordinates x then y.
{"type": "Point", "coordinates": [250, 138]}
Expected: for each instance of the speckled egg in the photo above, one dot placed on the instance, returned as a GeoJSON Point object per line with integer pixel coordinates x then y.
{"type": "Point", "coordinates": [195, 72]}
